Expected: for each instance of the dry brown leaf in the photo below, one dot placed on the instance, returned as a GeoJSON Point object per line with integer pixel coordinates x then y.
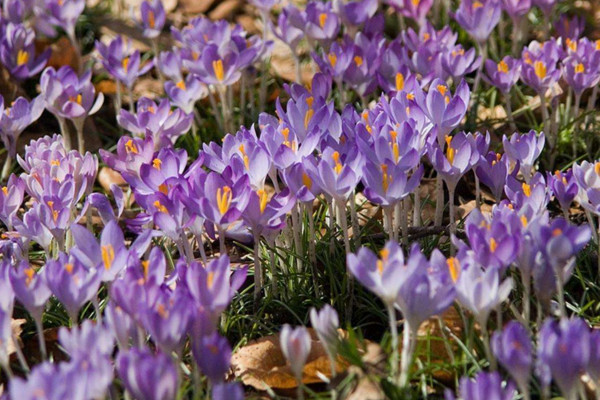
{"type": "Point", "coordinates": [464, 210]}
{"type": "Point", "coordinates": [62, 54]}
{"type": "Point", "coordinates": [107, 176]}
{"type": "Point", "coordinates": [366, 390]}
{"type": "Point", "coordinates": [106, 86]}
{"type": "Point", "coordinates": [195, 6]}
{"type": "Point", "coordinates": [282, 64]}
{"type": "Point", "coordinates": [147, 87]}
{"type": "Point", "coordinates": [261, 364]}
{"type": "Point", "coordinates": [225, 9]}
{"type": "Point", "coordinates": [15, 326]}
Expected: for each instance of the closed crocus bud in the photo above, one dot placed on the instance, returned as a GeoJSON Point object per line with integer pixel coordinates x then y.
{"type": "Point", "coordinates": [512, 347]}
{"type": "Point", "coordinates": [524, 148]}
{"type": "Point", "coordinates": [295, 345]}
{"type": "Point", "coordinates": [564, 352]}
{"type": "Point", "coordinates": [484, 386]}
{"type": "Point", "coordinates": [326, 322]}
{"type": "Point", "coordinates": [213, 355]}
{"type": "Point", "coordinates": [146, 375]}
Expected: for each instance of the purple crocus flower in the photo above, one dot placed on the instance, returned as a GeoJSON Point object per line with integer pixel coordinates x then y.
{"type": "Point", "coordinates": [213, 355]}
{"type": "Point", "coordinates": [72, 283]}
{"type": "Point", "coordinates": [593, 368]}
{"type": "Point", "coordinates": [486, 385]}
{"type": "Point", "coordinates": [53, 14]}
{"type": "Point", "coordinates": [385, 275]}
{"type": "Point", "coordinates": [540, 70]}
{"type": "Point", "coordinates": [225, 201]}
{"type": "Point", "coordinates": [186, 92]}
{"type": "Point", "coordinates": [170, 64]}
{"type": "Point", "coordinates": [295, 345]}
{"type": "Point", "coordinates": [444, 110]}
{"type": "Point", "coordinates": [504, 74]}
{"type": "Point", "coordinates": [493, 171]}
{"type": "Point", "coordinates": [168, 318]}
{"type": "Point", "coordinates": [480, 291]}
{"type": "Point", "coordinates": [11, 197]}
{"type": "Point", "coordinates": [457, 62]}
{"type": "Point", "coordinates": [17, 52]}
{"type": "Point", "coordinates": [326, 323]}
{"type": "Point", "coordinates": [415, 9]}
{"type": "Point", "coordinates": [581, 73]}
{"type": "Point", "coordinates": [356, 13]}
{"type": "Point", "coordinates": [428, 289]}
{"type": "Point", "coordinates": [569, 28]}
{"type": "Point", "coordinates": [121, 62]}
{"type": "Point", "coordinates": [54, 381]}
{"type": "Point", "coordinates": [215, 69]}
{"type": "Point", "coordinates": [132, 153]}
{"type": "Point", "coordinates": [285, 31]}
{"type": "Point", "coordinates": [524, 149]}
{"type": "Point", "coordinates": [16, 118]}
{"type": "Point", "coordinates": [478, 18]}
{"type": "Point", "coordinates": [563, 352]}
{"type": "Point", "coordinates": [461, 155]}
{"type": "Point", "coordinates": [513, 348]}
{"type": "Point", "coordinates": [17, 11]}
{"type": "Point", "coordinates": [156, 120]}
{"type": "Point", "coordinates": [564, 188]}
{"type": "Point", "coordinates": [212, 286]}
{"type": "Point", "coordinates": [545, 5]}
{"type": "Point", "coordinates": [228, 391]}
{"type": "Point", "coordinates": [516, 9]}
{"type": "Point", "coordinates": [109, 255]}
{"type": "Point", "coordinates": [30, 289]}
{"type": "Point", "coordinates": [318, 22]}
{"type": "Point", "coordinates": [153, 18]}
{"type": "Point", "coordinates": [147, 375]}
{"type": "Point", "coordinates": [387, 184]}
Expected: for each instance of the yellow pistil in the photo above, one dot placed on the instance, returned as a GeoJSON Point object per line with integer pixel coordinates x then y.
{"type": "Point", "coordinates": [308, 116]}
{"type": "Point", "coordinates": [579, 68]}
{"type": "Point", "coordinates": [5, 190]}
{"type": "Point", "coordinates": [306, 181]}
{"type": "Point", "coordinates": [157, 163]}
{"type": "Point", "coordinates": [503, 67]}
{"type": "Point", "coordinates": [218, 70]}
{"type": "Point", "coordinates": [22, 57]}
{"type": "Point", "coordinates": [162, 311]}
{"type": "Point", "coordinates": [597, 168]}
{"type": "Point", "coordinates": [29, 273]}
{"type": "Point", "coordinates": [338, 164]}
{"type": "Point", "coordinates": [524, 221]}
{"type": "Point", "coordinates": [540, 69]}
{"type": "Point", "coordinates": [163, 188]}
{"type": "Point", "coordinates": [399, 81]}
{"type": "Point", "coordinates": [130, 147]}
{"type": "Point", "coordinates": [76, 99]}
{"type": "Point", "coordinates": [285, 132]}
{"type": "Point", "coordinates": [69, 268]}
{"type": "Point", "coordinates": [526, 189]}
{"type": "Point", "coordinates": [151, 19]}
{"type": "Point", "coordinates": [598, 44]}
{"type": "Point", "coordinates": [309, 101]}
{"type": "Point", "coordinates": [442, 89]}
{"type": "Point", "coordinates": [224, 196]}
{"type": "Point", "coordinates": [54, 212]}
{"type": "Point", "coordinates": [410, 96]}
{"type": "Point", "coordinates": [210, 279]}
{"type": "Point", "coordinates": [454, 268]}
{"type": "Point", "coordinates": [380, 267]}
{"type": "Point", "coordinates": [145, 265]}
{"type": "Point", "coordinates": [415, 2]}
{"type": "Point", "coordinates": [385, 178]}
{"type": "Point", "coordinates": [458, 52]}
{"type": "Point", "coordinates": [365, 116]}
{"type": "Point", "coordinates": [426, 36]}
{"type": "Point", "coordinates": [181, 85]}
{"type": "Point", "coordinates": [262, 197]}
{"type": "Point", "coordinates": [477, 4]}
{"type": "Point", "coordinates": [557, 232]}
{"type": "Point", "coordinates": [322, 20]}
{"type": "Point", "coordinates": [157, 204]}
{"type": "Point", "coordinates": [244, 156]}
{"type": "Point", "coordinates": [125, 64]}
{"type": "Point", "coordinates": [332, 59]}
{"type": "Point", "coordinates": [493, 245]}
{"type": "Point", "coordinates": [358, 61]}
{"type": "Point", "coordinates": [527, 58]}
{"type": "Point", "coordinates": [571, 44]}
{"type": "Point", "coordinates": [369, 129]}
{"type": "Point", "coordinates": [108, 256]}
{"type": "Point", "coordinates": [450, 152]}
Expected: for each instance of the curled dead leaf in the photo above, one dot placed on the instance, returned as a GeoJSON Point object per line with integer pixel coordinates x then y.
{"type": "Point", "coordinates": [15, 326]}
{"type": "Point", "coordinates": [261, 364]}
{"type": "Point", "coordinates": [108, 176]}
